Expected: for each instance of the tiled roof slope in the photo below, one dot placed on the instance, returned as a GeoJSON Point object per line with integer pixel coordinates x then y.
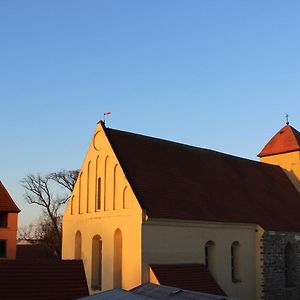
{"type": "Point", "coordinates": [177, 181]}
{"type": "Point", "coordinates": [42, 279]}
{"type": "Point", "coordinates": [287, 139]}
{"type": "Point", "coordinates": [194, 277]}
{"type": "Point", "coordinates": [33, 252]}
{"type": "Point", "coordinates": [6, 202]}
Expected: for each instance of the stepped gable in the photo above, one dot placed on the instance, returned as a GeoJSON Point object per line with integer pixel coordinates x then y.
{"type": "Point", "coordinates": [6, 202]}
{"type": "Point", "coordinates": [287, 139]}
{"type": "Point", "coordinates": [176, 181]}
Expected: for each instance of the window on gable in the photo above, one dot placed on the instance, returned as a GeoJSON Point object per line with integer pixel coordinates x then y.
{"type": "Point", "coordinates": [3, 219]}
{"type": "Point", "coordinates": [99, 193]}
{"type": "Point", "coordinates": [2, 248]}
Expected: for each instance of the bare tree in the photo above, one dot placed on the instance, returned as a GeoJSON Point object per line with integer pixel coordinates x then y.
{"type": "Point", "coordinates": [40, 191]}
{"type": "Point", "coordinates": [26, 232]}
{"type": "Point", "coordinates": [66, 178]}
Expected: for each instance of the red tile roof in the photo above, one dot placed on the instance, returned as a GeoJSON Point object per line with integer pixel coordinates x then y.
{"type": "Point", "coordinates": [194, 277]}
{"type": "Point", "coordinates": [42, 279]}
{"type": "Point", "coordinates": [177, 181]}
{"type": "Point", "coordinates": [6, 202]}
{"type": "Point", "coordinates": [287, 139]}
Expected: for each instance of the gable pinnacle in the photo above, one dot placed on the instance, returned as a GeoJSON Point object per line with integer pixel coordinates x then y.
{"type": "Point", "coordinates": [287, 119]}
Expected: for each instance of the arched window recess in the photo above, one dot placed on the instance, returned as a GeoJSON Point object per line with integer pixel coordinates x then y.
{"type": "Point", "coordinates": [235, 262]}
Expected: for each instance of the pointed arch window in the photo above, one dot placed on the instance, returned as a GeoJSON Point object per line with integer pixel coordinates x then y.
{"type": "Point", "coordinates": [106, 183]}
{"type": "Point", "coordinates": [99, 193]}
{"type": "Point", "coordinates": [97, 263]}
{"type": "Point", "coordinates": [235, 262]}
{"type": "Point", "coordinates": [80, 194]}
{"type": "Point", "coordinates": [115, 188]}
{"type": "Point", "coordinates": [118, 259]}
{"type": "Point", "coordinates": [209, 251]}
{"type": "Point", "coordinates": [97, 189]}
{"type": "Point", "coordinates": [88, 187]}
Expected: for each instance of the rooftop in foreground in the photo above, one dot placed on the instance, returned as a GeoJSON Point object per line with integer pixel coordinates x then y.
{"type": "Point", "coordinates": [42, 279]}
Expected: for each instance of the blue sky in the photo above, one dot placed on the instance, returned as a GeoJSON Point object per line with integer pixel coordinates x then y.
{"type": "Point", "coordinates": [214, 74]}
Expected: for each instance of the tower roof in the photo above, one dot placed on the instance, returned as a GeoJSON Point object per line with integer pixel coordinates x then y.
{"type": "Point", "coordinates": [287, 139]}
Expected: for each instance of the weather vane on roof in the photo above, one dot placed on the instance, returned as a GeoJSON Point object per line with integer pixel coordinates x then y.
{"type": "Point", "coordinates": [287, 119]}
{"type": "Point", "coordinates": [105, 114]}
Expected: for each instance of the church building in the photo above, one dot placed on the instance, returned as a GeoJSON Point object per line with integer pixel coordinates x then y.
{"type": "Point", "coordinates": [151, 210]}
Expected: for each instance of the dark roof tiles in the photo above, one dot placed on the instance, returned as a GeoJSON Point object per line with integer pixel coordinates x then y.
{"type": "Point", "coordinates": [194, 277]}
{"type": "Point", "coordinates": [177, 181]}
{"type": "Point", "coordinates": [6, 202]}
{"type": "Point", "coordinates": [42, 279]}
{"type": "Point", "coordinates": [33, 252]}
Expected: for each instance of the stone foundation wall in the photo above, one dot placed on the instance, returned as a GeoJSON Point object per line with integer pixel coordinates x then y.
{"type": "Point", "coordinates": [274, 268]}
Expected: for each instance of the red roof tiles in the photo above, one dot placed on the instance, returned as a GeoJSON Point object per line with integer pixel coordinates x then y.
{"type": "Point", "coordinates": [6, 202]}
{"type": "Point", "coordinates": [42, 279]}
{"type": "Point", "coordinates": [177, 181]}
{"type": "Point", "coordinates": [287, 139]}
{"type": "Point", "coordinates": [194, 277]}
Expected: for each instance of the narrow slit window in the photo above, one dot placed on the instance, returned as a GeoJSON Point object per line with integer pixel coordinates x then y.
{"type": "Point", "coordinates": [96, 263]}
{"type": "Point", "coordinates": [99, 193]}
{"type": "Point", "coordinates": [209, 252]}
{"type": "Point", "coordinates": [235, 262]}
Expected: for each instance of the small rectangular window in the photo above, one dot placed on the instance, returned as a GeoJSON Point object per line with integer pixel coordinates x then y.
{"type": "Point", "coordinates": [2, 248]}
{"type": "Point", "coordinates": [3, 219]}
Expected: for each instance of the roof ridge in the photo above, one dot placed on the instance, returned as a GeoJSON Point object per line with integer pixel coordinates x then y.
{"type": "Point", "coordinates": [171, 142]}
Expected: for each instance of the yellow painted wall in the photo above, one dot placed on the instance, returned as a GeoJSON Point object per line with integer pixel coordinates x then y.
{"type": "Point", "coordinates": [117, 209]}
{"type": "Point", "coordinates": [169, 242]}
{"type": "Point", "coordinates": [9, 234]}
{"type": "Point", "coordinates": [290, 162]}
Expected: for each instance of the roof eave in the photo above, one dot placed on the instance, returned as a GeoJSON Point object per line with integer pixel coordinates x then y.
{"type": "Point", "coordinates": [261, 154]}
